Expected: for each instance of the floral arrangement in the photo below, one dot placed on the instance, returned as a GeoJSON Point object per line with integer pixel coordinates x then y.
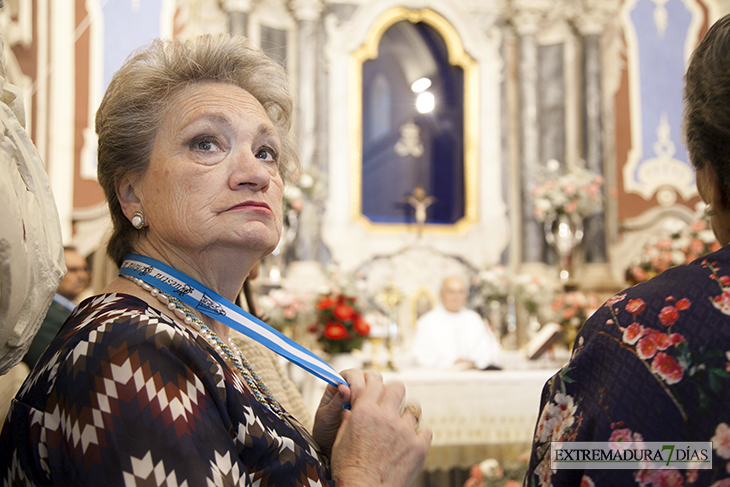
{"type": "Point", "coordinates": [681, 246]}
{"type": "Point", "coordinates": [571, 309]}
{"type": "Point", "coordinates": [284, 309]}
{"type": "Point", "coordinates": [307, 186]}
{"type": "Point", "coordinates": [341, 281]}
{"type": "Point", "coordinates": [490, 284]}
{"type": "Point", "coordinates": [534, 292]}
{"type": "Point", "coordinates": [575, 192]}
{"type": "Point", "coordinates": [339, 326]}
{"type": "Point", "coordinates": [489, 473]}
{"type": "Point", "coordinates": [489, 290]}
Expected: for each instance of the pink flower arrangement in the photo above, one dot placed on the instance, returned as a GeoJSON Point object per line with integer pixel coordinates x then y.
{"type": "Point", "coordinates": [281, 308]}
{"type": "Point", "coordinates": [489, 473]}
{"type": "Point", "coordinates": [575, 192]}
{"type": "Point", "coordinates": [679, 247]}
{"type": "Point", "coordinates": [571, 309]}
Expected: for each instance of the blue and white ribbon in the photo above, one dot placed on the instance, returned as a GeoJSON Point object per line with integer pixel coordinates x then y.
{"type": "Point", "coordinates": [200, 297]}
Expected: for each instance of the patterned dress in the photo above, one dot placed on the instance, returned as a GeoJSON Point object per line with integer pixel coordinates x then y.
{"type": "Point", "coordinates": [652, 364]}
{"type": "Point", "coordinates": [126, 396]}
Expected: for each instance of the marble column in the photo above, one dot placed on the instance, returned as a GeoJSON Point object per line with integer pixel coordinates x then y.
{"type": "Point", "coordinates": [595, 232]}
{"type": "Point", "coordinates": [238, 11]}
{"type": "Point", "coordinates": [532, 235]}
{"type": "Point", "coordinates": [590, 28]}
{"type": "Point", "coordinates": [307, 13]}
{"type": "Point", "coordinates": [511, 137]}
{"type": "Point", "coordinates": [599, 25]}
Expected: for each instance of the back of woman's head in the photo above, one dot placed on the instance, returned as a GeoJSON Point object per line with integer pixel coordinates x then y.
{"type": "Point", "coordinates": [135, 102]}
{"type": "Point", "coordinates": [707, 103]}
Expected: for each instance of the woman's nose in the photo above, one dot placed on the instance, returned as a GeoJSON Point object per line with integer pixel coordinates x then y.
{"type": "Point", "coordinates": [250, 171]}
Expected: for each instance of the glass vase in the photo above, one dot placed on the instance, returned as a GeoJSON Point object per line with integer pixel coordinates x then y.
{"type": "Point", "coordinates": [564, 233]}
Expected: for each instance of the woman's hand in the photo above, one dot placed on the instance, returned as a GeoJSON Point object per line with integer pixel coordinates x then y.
{"type": "Point", "coordinates": [328, 418]}
{"type": "Point", "coordinates": [377, 444]}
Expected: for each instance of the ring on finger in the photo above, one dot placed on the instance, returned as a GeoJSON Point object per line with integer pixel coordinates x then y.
{"type": "Point", "coordinates": [410, 408]}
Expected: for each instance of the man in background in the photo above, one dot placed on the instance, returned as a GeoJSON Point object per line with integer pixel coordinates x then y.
{"type": "Point", "coordinates": [451, 336]}
{"type": "Point", "coordinates": [74, 282]}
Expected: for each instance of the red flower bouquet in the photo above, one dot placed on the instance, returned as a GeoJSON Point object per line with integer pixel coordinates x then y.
{"type": "Point", "coordinates": [340, 327]}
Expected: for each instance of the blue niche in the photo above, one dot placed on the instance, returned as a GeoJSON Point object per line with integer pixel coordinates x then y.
{"type": "Point", "coordinates": [402, 148]}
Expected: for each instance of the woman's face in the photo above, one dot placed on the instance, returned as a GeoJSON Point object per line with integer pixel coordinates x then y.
{"type": "Point", "coordinates": [213, 180]}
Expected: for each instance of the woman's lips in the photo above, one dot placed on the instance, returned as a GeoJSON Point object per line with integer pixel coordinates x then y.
{"type": "Point", "coordinates": [251, 205]}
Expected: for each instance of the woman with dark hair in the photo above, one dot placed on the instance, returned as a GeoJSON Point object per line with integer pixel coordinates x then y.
{"type": "Point", "coordinates": [653, 363]}
{"type": "Point", "coordinates": [142, 385]}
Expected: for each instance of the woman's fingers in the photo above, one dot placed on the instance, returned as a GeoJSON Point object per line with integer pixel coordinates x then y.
{"type": "Point", "coordinates": [393, 395]}
{"type": "Point", "coordinates": [355, 379]}
{"type": "Point", "coordinates": [364, 386]}
{"type": "Point", "coordinates": [412, 414]}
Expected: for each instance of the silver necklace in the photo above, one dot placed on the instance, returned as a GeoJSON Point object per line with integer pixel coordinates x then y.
{"type": "Point", "coordinates": [228, 351]}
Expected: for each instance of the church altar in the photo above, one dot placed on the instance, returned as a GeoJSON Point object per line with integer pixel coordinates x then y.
{"type": "Point", "coordinates": [473, 414]}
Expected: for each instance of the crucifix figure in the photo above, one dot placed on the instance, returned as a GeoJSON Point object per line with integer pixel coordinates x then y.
{"type": "Point", "coordinates": [420, 202]}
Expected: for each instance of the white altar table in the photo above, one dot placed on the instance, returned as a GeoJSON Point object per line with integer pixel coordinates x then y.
{"type": "Point", "coordinates": [473, 414]}
{"type": "Point", "coordinates": [476, 407]}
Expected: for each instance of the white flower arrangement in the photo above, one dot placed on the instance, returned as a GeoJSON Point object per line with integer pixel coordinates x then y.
{"type": "Point", "coordinates": [534, 292]}
{"type": "Point", "coordinates": [308, 186]}
{"type": "Point", "coordinates": [491, 283]}
{"type": "Point", "coordinates": [574, 192]}
{"type": "Point", "coordinates": [497, 283]}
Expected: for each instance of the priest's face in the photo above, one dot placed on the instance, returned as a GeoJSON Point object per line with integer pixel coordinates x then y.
{"type": "Point", "coordinates": [453, 294]}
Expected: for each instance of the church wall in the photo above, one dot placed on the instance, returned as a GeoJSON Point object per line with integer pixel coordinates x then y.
{"type": "Point", "coordinates": [509, 45]}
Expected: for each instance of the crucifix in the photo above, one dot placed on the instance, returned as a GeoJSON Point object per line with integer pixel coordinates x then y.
{"type": "Point", "coordinates": [420, 203]}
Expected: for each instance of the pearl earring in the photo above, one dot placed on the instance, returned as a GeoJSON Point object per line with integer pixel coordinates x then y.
{"type": "Point", "coordinates": [709, 211]}
{"type": "Point", "coordinates": [138, 219]}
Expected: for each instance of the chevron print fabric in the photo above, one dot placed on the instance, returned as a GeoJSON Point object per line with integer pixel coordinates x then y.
{"type": "Point", "coordinates": [127, 396]}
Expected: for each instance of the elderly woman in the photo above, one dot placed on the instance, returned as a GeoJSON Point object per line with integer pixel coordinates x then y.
{"type": "Point", "coordinates": [653, 364]}
{"type": "Point", "coordinates": [140, 387]}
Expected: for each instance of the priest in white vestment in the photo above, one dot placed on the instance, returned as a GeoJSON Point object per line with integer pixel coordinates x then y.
{"type": "Point", "coordinates": [451, 336]}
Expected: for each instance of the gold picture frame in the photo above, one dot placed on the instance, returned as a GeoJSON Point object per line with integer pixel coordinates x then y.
{"type": "Point", "coordinates": [457, 56]}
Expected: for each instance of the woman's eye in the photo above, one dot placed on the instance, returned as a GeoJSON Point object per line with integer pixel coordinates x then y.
{"type": "Point", "coordinates": [267, 154]}
{"type": "Point", "coordinates": [205, 145]}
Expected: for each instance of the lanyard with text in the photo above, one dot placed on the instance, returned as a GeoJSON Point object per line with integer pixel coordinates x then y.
{"type": "Point", "coordinates": [198, 296]}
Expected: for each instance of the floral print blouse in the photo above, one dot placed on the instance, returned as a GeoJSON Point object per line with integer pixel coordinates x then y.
{"type": "Point", "coordinates": [652, 364]}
